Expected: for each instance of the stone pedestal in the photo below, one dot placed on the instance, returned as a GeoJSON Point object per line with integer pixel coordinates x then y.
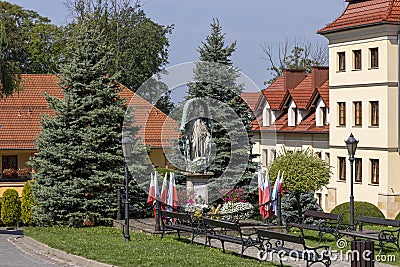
{"type": "Point", "coordinates": [331, 200]}
{"type": "Point", "coordinates": [197, 186]}
{"type": "Point", "coordinates": [389, 204]}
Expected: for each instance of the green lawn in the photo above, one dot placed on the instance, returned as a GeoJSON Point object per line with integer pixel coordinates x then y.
{"type": "Point", "coordinates": [107, 245]}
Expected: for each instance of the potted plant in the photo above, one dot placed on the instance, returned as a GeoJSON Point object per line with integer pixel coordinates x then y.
{"type": "Point", "coordinates": [9, 173]}
{"type": "Point", "coordinates": [23, 172]}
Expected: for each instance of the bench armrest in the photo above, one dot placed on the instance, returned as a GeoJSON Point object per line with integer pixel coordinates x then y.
{"type": "Point", "coordinates": [391, 235]}
{"type": "Point", "coordinates": [294, 219]}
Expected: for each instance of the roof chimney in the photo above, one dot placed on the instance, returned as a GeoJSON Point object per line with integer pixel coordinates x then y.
{"type": "Point", "coordinates": [319, 76]}
{"type": "Point", "coordinates": [293, 77]}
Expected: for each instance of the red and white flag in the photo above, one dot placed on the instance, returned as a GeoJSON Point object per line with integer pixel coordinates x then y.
{"type": "Point", "coordinates": [164, 192]}
{"type": "Point", "coordinates": [267, 196]}
{"type": "Point", "coordinates": [173, 194]}
{"type": "Point", "coordinates": [152, 195]}
{"type": "Point", "coordinates": [261, 192]}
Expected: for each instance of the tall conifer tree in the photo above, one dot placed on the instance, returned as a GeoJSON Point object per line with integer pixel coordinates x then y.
{"type": "Point", "coordinates": [80, 160]}
{"type": "Point", "coordinates": [216, 78]}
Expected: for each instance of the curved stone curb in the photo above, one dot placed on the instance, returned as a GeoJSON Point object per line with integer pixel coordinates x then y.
{"type": "Point", "coordinates": [80, 261]}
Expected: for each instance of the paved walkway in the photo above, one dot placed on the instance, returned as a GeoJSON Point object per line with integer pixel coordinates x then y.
{"type": "Point", "coordinates": [11, 256]}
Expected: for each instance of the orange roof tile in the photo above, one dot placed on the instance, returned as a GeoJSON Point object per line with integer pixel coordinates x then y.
{"type": "Point", "coordinates": [20, 113]}
{"type": "Point", "coordinates": [275, 93]}
{"type": "Point", "coordinates": [302, 93]}
{"type": "Point", "coordinates": [359, 13]}
{"type": "Point", "coordinates": [323, 91]}
{"type": "Point", "coordinates": [251, 99]}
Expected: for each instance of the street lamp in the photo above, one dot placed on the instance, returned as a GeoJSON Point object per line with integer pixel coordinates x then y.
{"type": "Point", "coordinates": [351, 144]}
{"type": "Point", "coordinates": [127, 146]}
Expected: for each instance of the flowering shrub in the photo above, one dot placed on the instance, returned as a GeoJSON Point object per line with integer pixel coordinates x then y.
{"type": "Point", "coordinates": [9, 172]}
{"type": "Point", "coordinates": [234, 195]}
{"type": "Point", "coordinates": [89, 221]}
{"type": "Point", "coordinates": [23, 171]}
{"type": "Point", "coordinates": [234, 211]}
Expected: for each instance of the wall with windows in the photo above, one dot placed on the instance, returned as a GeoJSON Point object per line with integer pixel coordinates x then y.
{"type": "Point", "coordinates": [363, 101]}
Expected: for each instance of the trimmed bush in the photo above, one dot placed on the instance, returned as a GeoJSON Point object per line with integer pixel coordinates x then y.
{"type": "Point", "coordinates": [398, 216]}
{"type": "Point", "coordinates": [360, 208]}
{"type": "Point", "coordinates": [27, 203]}
{"type": "Point", "coordinates": [10, 207]}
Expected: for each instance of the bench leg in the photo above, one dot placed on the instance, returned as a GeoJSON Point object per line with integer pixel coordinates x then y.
{"type": "Point", "coordinates": [223, 246]}
{"type": "Point", "coordinates": [241, 253]}
{"type": "Point", "coordinates": [179, 234]}
{"type": "Point", "coordinates": [320, 234]}
{"type": "Point", "coordinates": [162, 234]}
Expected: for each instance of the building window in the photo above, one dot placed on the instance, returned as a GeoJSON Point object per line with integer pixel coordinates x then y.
{"type": "Point", "coordinates": [342, 168]}
{"type": "Point", "coordinates": [358, 170]}
{"type": "Point", "coordinates": [265, 157]}
{"type": "Point", "coordinates": [342, 113]}
{"type": "Point", "coordinates": [357, 59]}
{"type": "Point", "coordinates": [341, 61]}
{"type": "Point", "coordinates": [267, 117]}
{"type": "Point", "coordinates": [325, 116]}
{"type": "Point", "coordinates": [357, 113]}
{"type": "Point", "coordinates": [374, 171]}
{"type": "Point", "coordinates": [374, 105]}
{"type": "Point", "coordinates": [374, 57]}
{"type": "Point", "coordinates": [9, 162]}
{"type": "Point", "coordinates": [327, 157]}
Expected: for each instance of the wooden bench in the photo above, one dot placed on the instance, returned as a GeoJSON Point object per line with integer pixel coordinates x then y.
{"type": "Point", "coordinates": [180, 222]}
{"type": "Point", "coordinates": [329, 225]}
{"type": "Point", "coordinates": [277, 243]}
{"type": "Point", "coordinates": [228, 232]}
{"type": "Point", "coordinates": [383, 236]}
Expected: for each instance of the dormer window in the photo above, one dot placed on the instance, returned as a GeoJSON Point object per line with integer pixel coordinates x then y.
{"type": "Point", "coordinates": [293, 114]}
{"type": "Point", "coordinates": [321, 114]}
{"type": "Point", "coordinates": [267, 116]}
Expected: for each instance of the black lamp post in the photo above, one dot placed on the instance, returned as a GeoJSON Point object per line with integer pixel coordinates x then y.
{"type": "Point", "coordinates": [351, 144]}
{"type": "Point", "coordinates": [127, 146]}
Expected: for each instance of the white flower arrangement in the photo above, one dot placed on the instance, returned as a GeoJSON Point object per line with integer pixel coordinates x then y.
{"type": "Point", "coordinates": [192, 208]}
{"type": "Point", "coordinates": [232, 211]}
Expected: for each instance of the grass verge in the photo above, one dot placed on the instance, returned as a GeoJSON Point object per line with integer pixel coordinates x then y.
{"type": "Point", "coordinates": [107, 245]}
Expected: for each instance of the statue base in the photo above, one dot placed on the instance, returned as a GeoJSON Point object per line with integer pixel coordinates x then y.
{"type": "Point", "coordinates": [197, 186]}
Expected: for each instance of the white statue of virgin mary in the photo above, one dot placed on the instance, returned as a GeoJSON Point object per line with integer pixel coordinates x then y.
{"type": "Point", "coordinates": [200, 140]}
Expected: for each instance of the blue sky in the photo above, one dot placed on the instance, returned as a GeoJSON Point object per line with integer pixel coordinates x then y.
{"type": "Point", "coordinates": [250, 23]}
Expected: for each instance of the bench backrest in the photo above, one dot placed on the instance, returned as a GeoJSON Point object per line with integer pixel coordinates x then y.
{"type": "Point", "coordinates": [176, 215]}
{"type": "Point", "coordinates": [380, 221]}
{"type": "Point", "coordinates": [221, 224]}
{"type": "Point", "coordinates": [280, 236]}
{"type": "Point", "coordinates": [322, 215]}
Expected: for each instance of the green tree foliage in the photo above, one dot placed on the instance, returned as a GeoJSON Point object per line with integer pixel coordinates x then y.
{"type": "Point", "coordinates": [28, 44]}
{"type": "Point", "coordinates": [304, 172]}
{"type": "Point", "coordinates": [27, 204]}
{"type": "Point", "coordinates": [293, 55]}
{"type": "Point", "coordinates": [360, 208]}
{"type": "Point", "coordinates": [397, 216]}
{"type": "Point", "coordinates": [80, 159]}
{"type": "Point", "coordinates": [140, 44]}
{"type": "Point", "coordinates": [219, 82]}
{"type": "Point", "coordinates": [10, 207]}
{"type": "Point", "coordinates": [291, 207]}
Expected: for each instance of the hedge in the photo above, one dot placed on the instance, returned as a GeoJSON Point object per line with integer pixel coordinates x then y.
{"type": "Point", "coordinates": [10, 207]}
{"type": "Point", "coordinates": [360, 208]}
{"type": "Point", "coordinates": [398, 216]}
{"type": "Point", "coordinates": [27, 203]}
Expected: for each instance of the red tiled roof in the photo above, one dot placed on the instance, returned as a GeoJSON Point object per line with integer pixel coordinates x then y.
{"type": "Point", "coordinates": [307, 125]}
{"type": "Point", "coordinates": [301, 95]}
{"type": "Point", "coordinates": [251, 99]}
{"type": "Point", "coordinates": [275, 93]}
{"type": "Point", "coordinates": [20, 113]}
{"type": "Point", "coordinates": [323, 91]}
{"type": "Point", "coordinates": [365, 12]}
